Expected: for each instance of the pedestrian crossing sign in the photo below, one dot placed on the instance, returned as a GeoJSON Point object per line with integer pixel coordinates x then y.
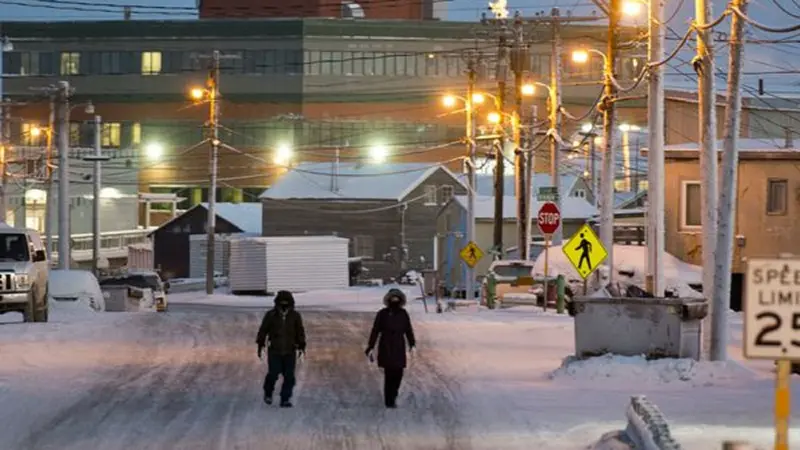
{"type": "Point", "coordinates": [471, 254]}
{"type": "Point", "coordinates": [585, 251]}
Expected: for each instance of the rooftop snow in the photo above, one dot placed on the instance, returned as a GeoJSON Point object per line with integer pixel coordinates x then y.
{"type": "Point", "coordinates": [355, 181]}
{"type": "Point", "coordinates": [749, 144]}
{"type": "Point", "coordinates": [571, 207]}
{"type": "Point", "coordinates": [245, 216]}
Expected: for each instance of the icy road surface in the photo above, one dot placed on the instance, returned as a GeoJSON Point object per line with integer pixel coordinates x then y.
{"type": "Point", "coordinates": [192, 381]}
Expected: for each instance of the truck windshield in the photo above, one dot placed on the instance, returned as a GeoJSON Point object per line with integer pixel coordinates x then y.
{"type": "Point", "coordinates": [14, 247]}
{"type": "Point", "coordinates": [516, 271]}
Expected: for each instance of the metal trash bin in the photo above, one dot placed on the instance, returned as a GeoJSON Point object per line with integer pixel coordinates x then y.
{"type": "Point", "coordinates": [654, 327]}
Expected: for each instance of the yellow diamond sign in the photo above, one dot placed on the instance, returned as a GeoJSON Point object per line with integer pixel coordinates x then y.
{"type": "Point", "coordinates": [585, 251]}
{"type": "Point", "coordinates": [471, 254]}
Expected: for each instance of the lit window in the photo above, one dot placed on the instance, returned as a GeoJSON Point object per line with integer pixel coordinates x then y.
{"type": "Point", "coordinates": [643, 184]}
{"type": "Point", "coordinates": [447, 193]}
{"type": "Point", "coordinates": [74, 134]}
{"type": "Point", "coordinates": [430, 194]}
{"type": "Point", "coordinates": [136, 133]}
{"type": "Point", "coordinates": [32, 135]}
{"type": "Point", "coordinates": [70, 63]}
{"type": "Point", "coordinates": [111, 134]}
{"type": "Point", "coordinates": [691, 212]}
{"type": "Point", "coordinates": [151, 63]}
{"type": "Point", "coordinates": [776, 196]}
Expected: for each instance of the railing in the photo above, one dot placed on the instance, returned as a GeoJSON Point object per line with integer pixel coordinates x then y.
{"type": "Point", "coordinates": [113, 244]}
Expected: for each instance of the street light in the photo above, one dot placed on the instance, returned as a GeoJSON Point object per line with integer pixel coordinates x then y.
{"type": "Point", "coordinates": [528, 89]}
{"type": "Point", "coordinates": [154, 150]}
{"type": "Point", "coordinates": [36, 132]}
{"type": "Point", "coordinates": [494, 117]}
{"type": "Point", "coordinates": [580, 56]}
{"type": "Point", "coordinates": [632, 8]}
{"type": "Point", "coordinates": [197, 93]}
{"type": "Point", "coordinates": [478, 98]}
{"type": "Point", "coordinates": [449, 101]}
{"type": "Point", "coordinates": [587, 127]}
{"type": "Point", "coordinates": [378, 153]}
{"type": "Point", "coordinates": [283, 155]}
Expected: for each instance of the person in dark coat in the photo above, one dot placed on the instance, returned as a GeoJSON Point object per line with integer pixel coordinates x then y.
{"type": "Point", "coordinates": [283, 326]}
{"type": "Point", "coordinates": [393, 325]}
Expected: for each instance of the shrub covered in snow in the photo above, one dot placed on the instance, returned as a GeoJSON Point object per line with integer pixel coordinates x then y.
{"type": "Point", "coordinates": [637, 370]}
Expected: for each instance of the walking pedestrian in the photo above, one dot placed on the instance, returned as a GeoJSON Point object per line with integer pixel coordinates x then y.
{"type": "Point", "coordinates": [283, 327]}
{"type": "Point", "coordinates": [393, 325]}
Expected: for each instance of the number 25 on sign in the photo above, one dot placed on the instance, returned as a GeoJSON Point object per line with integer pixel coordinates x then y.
{"type": "Point", "coordinates": [772, 309]}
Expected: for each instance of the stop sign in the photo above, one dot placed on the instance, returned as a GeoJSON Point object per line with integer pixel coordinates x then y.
{"type": "Point", "coordinates": [549, 218]}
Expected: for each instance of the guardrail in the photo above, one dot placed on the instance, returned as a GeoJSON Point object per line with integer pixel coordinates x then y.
{"type": "Point", "coordinates": [113, 244]}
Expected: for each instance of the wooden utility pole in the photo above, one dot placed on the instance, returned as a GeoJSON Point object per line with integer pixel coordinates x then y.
{"type": "Point", "coordinates": [500, 166]}
{"type": "Point", "coordinates": [213, 123]}
{"type": "Point", "coordinates": [519, 56]}
{"type": "Point", "coordinates": [704, 66]}
{"type": "Point", "coordinates": [554, 111]}
{"type": "Point", "coordinates": [469, 285]}
{"type": "Point", "coordinates": [62, 143]}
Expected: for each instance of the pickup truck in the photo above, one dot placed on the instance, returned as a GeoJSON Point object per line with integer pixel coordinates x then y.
{"type": "Point", "coordinates": [24, 274]}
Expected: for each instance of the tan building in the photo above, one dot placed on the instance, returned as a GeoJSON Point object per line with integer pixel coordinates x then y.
{"type": "Point", "coordinates": [767, 208]}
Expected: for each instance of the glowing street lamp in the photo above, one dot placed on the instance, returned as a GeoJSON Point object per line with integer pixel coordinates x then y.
{"type": "Point", "coordinates": [494, 117]}
{"type": "Point", "coordinates": [197, 93]}
{"type": "Point", "coordinates": [528, 89]}
{"type": "Point", "coordinates": [632, 8]}
{"type": "Point", "coordinates": [587, 127]}
{"type": "Point", "coordinates": [154, 150]}
{"type": "Point", "coordinates": [283, 155]}
{"type": "Point", "coordinates": [36, 132]}
{"type": "Point", "coordinates": [378, 153]}
{"type": "Point", "coordinates": [449, 101]}
{"type": "Point", "coordinates": [580, 56]}
{"type": "Point", "coordinates": [478, 98]}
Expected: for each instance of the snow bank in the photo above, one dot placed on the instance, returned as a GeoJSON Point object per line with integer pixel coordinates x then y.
{"type": "Point", "coordinates": [630, 263]}
{"type": "Point", "coordinates": [629, 371]}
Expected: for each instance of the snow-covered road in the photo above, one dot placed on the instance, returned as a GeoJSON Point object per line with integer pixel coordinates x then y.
{"type": "Point", "coordinates": [191, 380]}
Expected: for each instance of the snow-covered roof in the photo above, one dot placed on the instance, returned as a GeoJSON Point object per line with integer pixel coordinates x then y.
{"type": "Point", "coordinates": [354, 181]}
{"type": "Point", "coordinates": [571, 207]}
{"type": "Point", "coordinates": [744, 144]}
{"type": "Point", "coordinates": [244, 216]}
{"type": "Point", "coordinates": [485, 184]}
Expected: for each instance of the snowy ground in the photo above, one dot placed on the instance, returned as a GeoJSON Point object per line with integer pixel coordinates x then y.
{"type": "Point", "coordinates": [482, 380]}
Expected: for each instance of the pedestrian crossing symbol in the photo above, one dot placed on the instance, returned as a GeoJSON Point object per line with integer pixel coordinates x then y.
{"type": "Point", "coordinates": [471, 254]}
{"type": "Point", "coordinates": [585, 251]}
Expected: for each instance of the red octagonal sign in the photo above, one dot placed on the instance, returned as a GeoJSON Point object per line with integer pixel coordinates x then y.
{"type": "Point", "coordinates": [549, 218]}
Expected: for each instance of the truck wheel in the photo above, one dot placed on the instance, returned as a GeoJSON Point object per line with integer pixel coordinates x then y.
{"type": "Point", "coordinates": [29, 312]}
{"type": "Point", "coordinates": [42, 311]}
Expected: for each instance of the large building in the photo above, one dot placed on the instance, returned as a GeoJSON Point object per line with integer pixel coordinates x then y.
{"type": "Point", "coordinates": [292, 90]}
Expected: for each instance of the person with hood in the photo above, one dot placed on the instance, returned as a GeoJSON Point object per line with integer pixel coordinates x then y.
{"type": "Point", "coordinates": [393, 325]}
{"type": "Point", "coordinates": [283, 326]}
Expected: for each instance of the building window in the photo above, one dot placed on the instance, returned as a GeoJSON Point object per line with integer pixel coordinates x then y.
{"type": "Point", "coordinates": [364, 246]}
{"type": "Point", "coordinates": [643, 184]}
{"type": "Point", "coordinates": [447, 193]}
{"type": "Point", "coordinates": [136, 133]}
{"type": "Point", "coordinates": [430, 194]}
{"type": "Point", "coordinates": [691, 212]}
{"type": "Point", "coordinates": [29, 63]}
{"type": "Point", "coordinates": [74, 134]}
{"type": "Point", "coordinates": [777, 191]}
{"type": "Point", "coordinates": [579, 193]}
{"type": "Point", "coordinates": [151, 63]}
{"type": "Point", "coordinates": [32, 135]}
{"type": "Point", "coordinates": [111, 134]}
{"type": "Point", "coordinates": [70, 63]}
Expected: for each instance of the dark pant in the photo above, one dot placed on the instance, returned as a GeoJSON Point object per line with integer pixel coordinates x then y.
{"type": "Point", "coordinates": [391, 384]}
{"type": "Point", "coordinates": [280, 365]}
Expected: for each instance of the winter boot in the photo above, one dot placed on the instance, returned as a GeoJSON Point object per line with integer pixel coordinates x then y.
{"type": "Point", "coordinates": [286, 404]}
{"type": "Point", "coordinates": [268, 398]}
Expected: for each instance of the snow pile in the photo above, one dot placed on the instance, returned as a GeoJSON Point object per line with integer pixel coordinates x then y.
{"type": "Point", "coordinates": [630, 263]}
{"type": "Point", "coordinates": [633, 370]}
{"type": "Point", "coordinates": [75, 291]}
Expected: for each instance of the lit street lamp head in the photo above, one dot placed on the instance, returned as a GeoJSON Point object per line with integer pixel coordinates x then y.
{"type": "Point", "coordinates": [632, 8]}
{"type": "Point", "coordinates": [154, 150]}
{"type": "Point", "coordinates": [378, 154]}
{"type": "Point", "coordinates": [580, 56]}
{"type": "Point", "coordinates": [449, 101]}
{"type": "Point", "coordinates": [478, 98]}
{"type": "Point", "coordinates": [528, 89]}
{"type": "Point", "coordinates": [197, 93]}
{"type": "Point", "coordinates": [36, 132]}
{"type": "Point", "coordinates": [283, 155]}
{"type": "Point", "coordinates": [494, 117]}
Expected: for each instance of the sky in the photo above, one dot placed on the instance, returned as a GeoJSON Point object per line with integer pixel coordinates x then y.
{"type": "Point", "coordinates": [782, 61]}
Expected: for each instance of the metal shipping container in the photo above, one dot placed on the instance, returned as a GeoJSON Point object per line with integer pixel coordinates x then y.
{"type": "Point", "coordinates": [197, 254]}
{"type": "Point", "coordinates": [301, 263]}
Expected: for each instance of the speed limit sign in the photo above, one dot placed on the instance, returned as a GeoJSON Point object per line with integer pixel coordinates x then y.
{"type": "Point", "coordinates": [772, 309]}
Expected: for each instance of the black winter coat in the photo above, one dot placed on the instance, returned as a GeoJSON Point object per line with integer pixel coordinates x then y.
{"type": "Point", "coordinates": [393, 324]}
{"type": "Point", "coordinates": [286, 334]}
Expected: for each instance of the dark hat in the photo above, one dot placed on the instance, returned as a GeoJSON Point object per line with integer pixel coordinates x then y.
{"type": "Point", "coordinates": [284, 298]}
{"type": "Point", "coordinates": [392, 294]}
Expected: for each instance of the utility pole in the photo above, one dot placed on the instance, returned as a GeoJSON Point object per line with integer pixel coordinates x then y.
{"type": "Point", "coordinates": [6, 113]}
{"type": "Point", "coordinates": [554, 102]}
{"type": "Point", "coordinates": [97, 160]}
{"type": "Point", "coordinates": [48, 167]}
{"type": "Point", "coordinates": [518, 58]}
{"type": "Point", "coordinates": [499, 168]}
{"type": "Point", "coordinates": [727, 198]}
{"type": "Point", "coordinates": [704, 66]}
{"type": "Point", "coordinates": [529, 168]}
{"type": "Point", "coordinates": [469, 285]}
{"type": "Point", "coordinates": [213, 91]}
{"type": "Point", "coordinates": [62, 143]}
{"type": "Point", "coordinates": [607, 177]}
{"type": "Point", "coordinates": [655, 159]}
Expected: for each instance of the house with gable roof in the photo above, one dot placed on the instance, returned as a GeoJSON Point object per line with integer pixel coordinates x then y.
{"type": "Point", "coordinates": [388, 211]}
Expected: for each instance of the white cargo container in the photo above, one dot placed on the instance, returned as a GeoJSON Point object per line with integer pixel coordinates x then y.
{"type": "Point", "coordinates": [197, 253]}
{"type": "Point", "coordinates": [296, 263]}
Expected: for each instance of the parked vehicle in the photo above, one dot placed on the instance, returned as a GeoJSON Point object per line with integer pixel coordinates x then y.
{"type": "Point", "coordinates": [76, 287]}
{"type": "Point", "coordinates": [508, 274]}
{"type": "Point", "coordinates": [143, 280]}
{"type": "Point", "coordinates": [24, 274]}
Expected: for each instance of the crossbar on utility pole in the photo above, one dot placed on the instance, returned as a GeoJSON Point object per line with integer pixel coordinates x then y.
{"type": "Point", "coordinates": [62, 143]}
{"type": "Point", "coordinates": [213, 91]}
{"type": "Point", "coordinates": [655, 158]}
{"type": "Point", "coordinates": [704, 65]}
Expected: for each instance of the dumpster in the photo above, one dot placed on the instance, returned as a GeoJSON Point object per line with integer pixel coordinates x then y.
{"type": "Point", "coordinates": [654, 327]}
